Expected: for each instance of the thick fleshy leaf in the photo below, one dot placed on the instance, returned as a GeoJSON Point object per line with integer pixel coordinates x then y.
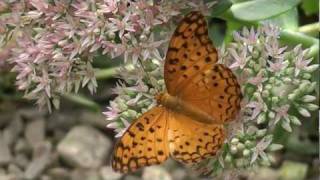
{"type": "Point", "coordinates": [261, 9]}
{"type": "Point", "coordinates": [220, 7]}
{"type": "Point", "coordinates": [287, 20]}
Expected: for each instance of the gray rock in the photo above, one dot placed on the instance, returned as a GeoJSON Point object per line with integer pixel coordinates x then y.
{"type": "Point", "coordinates": [59, 120]}
{"type": "Point", "coordinates": [35, 132]}
{"type": "Point", "coordinates": [155, 173]}
{"type": "Point", "coordinates": [84, 147]}
{"type": "Point", "coordinates": [264, 173]}
{"type": "Point", "coordinates": [131, 177]}
{"type": "Point", "coordinates": [5, 118]}
{"type": "Point", "coordinates": [21, 160]}
{"type": "Point", "coordinates": [93, 119]}
{"type": "Point", "coordinates": [21, 146]}
{"type": "Point", "coordinates": [107, 173]}
{"type": "Point", "coordinates": [59, 173]}
{"type": "Point", "coordinates": [13, 130]}
{"type": "Point", "coordinates": [179, 174]}
{"type": "Point", "coordinates": [41, 159]}
{"type": "Point", "coordinates": [14, 169]}
{"type": "Point", "coordinates": [32, 113]}
{"type": "Point", "coordinates": [85, 174]}
{"type": "Point", "coordinates": [5, 154]}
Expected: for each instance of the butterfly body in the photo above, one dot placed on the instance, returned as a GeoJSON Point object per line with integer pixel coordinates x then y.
{"type": "Point", "coordinates": [188, 122]}
{"type": "Point", "coordinates": [177, 105]}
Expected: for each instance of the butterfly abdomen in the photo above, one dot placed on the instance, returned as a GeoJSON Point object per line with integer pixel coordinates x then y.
{"type": "Point", "coordinates": [175, 104]}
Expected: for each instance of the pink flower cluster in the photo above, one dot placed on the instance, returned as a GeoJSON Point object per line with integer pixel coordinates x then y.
{"type": "Point", "coordinates": [56, 41]}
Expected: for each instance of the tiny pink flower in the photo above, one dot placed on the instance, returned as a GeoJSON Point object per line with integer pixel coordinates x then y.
{"type": "Point", "coordinates": [281, 113]}
{"type": "Point", "coordinates": [240, 60]}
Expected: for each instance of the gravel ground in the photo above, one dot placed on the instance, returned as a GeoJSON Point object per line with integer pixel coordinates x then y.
{"type": "Point", "coordinates": [73, 145]}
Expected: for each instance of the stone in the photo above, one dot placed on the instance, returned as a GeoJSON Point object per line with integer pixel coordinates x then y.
{"type": "Point", "coordinates": [21, 146]}
{"type": "Point", "coordinates": [14, 169]}
{"type": "Point", "coordinates": [84, 147]}
{"type": "Point", "coordinates": [107, 173]}
{"type": "Point", "coordinates": [41, 159]}
{"type": "Point", "coordinates": [35, 132]}
{"type": "Point", "coordinates": [264, 173]}
{"type": "Point", "coordinates": [93, 119]}
{"type": "Point", "coordinates": [5, 153]}
{"type": "Point", "coordinates": [61, 121]}
{"type": "Point", "coordinates": [155, 173]}
{"type": "Point", "coordinates": [87, 174]}
{"type": "Point", "coordinates": [131, 177]}
{"type": "Point", "coordinates": [31, 113]}
{"type": "Point", "coordinates": [59, 173]}
{"type": "Point", "coordinates": [21, 160]}
{"type": "Point", "coordinates": [179, 174]}
{"type": "Point", "coordinates": [13, 130]}
{"type": "Point", "coordinates": [293, 170]}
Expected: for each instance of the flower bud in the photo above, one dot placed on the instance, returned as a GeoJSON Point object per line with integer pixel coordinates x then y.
{"type": "Point", "coordinates": [271, 115]}
{"type": "Point", "coordinates": [306, 76]}
{"type": "Point", "coordinates": [289, 71]}
{"type": "Point", "coordinates": [312, 107]}
{"type": "Point", "coordinates": [132, 113]}
{"type": "Point", "coordinates": [228, 158]}
{"type": "Point", "coordinates": [268, 86]}
{"type": "Point", "coordinates": [261, 133]}
{"type": "Point", "coordinates": [261, 118]}
{"type": "Point", "coordinates": [287, 80]}
{"type": "Point", "coordinates": [308, 98]}
{"type": "Point", "coordinates": [304, 112]}
{"type": "Point", "coordinates": [311, 68]}
{"type": "Point", "coordinates": [275, 147]}
{"type": "Point", "coordinates": [234, 141]}
{"type": "Point", "coordinates": [311, 87]}
{"type": "Point", "coordinates": [111, 35]}
{"type": "Point", "coordinates": [295, 120]}
{"type": "Point", "coordinates": [240, 146]}
{"type": "Point", "coordinates": [265, 93]}
{"type": "Point", "coordinates": [248, 144]}
{"type": "Point", "coordinates": [233, 149]}
{"type": "Point", "coordinates": [246, 152]}
{"type": "Point", "coordinates": [286, 126]}
{"type": "Point", "coordinates": [275, 99]}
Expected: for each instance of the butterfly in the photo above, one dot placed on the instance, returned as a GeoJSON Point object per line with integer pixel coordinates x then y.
{"type": "Point", "coordinates": [188, 122]}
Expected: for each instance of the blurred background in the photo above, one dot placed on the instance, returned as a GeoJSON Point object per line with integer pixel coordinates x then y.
{"type": "Point", "coordinates": [74, 143]}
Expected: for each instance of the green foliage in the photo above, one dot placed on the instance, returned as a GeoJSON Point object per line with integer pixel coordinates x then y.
{"type": "Point", "coordinates": [310, 7]}
{"type": "Point", "coordinates": [262, 9]}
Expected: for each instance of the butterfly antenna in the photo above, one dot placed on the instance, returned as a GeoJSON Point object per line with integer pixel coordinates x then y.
{"type": "Point", "coordinates": [152, 83]}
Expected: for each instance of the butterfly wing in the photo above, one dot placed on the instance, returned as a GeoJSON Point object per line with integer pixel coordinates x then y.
{"type": "Point", "coordinates": [191, 72]}
{"type": "Point", "coordinates": [218, 93]}
{"type": "Point", "coordinates": [189, 52]}
{"type": "Point", "coordinates": [191, 141]}
{"type": "Point", "coordinates": [144, 142]}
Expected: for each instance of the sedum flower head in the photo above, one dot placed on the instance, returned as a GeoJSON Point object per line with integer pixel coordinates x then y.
{"type": "Point", "coordinates": [57, 41]}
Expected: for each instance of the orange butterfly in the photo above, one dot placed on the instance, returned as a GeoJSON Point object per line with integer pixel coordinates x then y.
{"type": "Point", "coordinates": [187, 123]}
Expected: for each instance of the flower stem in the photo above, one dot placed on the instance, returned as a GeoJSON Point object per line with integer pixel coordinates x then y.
{"type": "Point", "coordinates": [310, 29]}
{"type": "Point", "coordinates": [83, 101]}
{"type": "Point", "coordinates": [291, 37]}
{"type": "Point", "coordinates": [106, 73]}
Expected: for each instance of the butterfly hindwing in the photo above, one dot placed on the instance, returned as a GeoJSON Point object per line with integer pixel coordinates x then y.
{"type": "Point", "coordinates": [144, 142]}
{"type": "Point", "coordinates": [191, 141]}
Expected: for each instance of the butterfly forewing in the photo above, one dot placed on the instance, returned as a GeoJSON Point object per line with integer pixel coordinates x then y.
{"type": "Point", "coordinates": [191, 72]}
{"type": "Point", "coordinates": [144, 142]}
{"type": "Point", "coordinates": [189, 52]}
